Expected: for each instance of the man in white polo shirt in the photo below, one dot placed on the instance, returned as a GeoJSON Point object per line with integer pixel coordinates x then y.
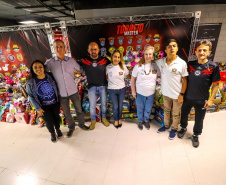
{"type": "Point", "coordinates": [173, 84]}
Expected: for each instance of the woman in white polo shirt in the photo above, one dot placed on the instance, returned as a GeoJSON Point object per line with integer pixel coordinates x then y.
{"type": "Point", "coordinates": [143, 83]}
{"type": "Point", "coordinates": [116, 73]}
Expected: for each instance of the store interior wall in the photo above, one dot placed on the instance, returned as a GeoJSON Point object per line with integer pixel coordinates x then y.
{"type": "Point", "coordinates": [215, 13]}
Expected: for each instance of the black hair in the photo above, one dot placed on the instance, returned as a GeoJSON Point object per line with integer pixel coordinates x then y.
{"type": "Point", "coordinates": [32, 73]}
{"type": "Point", "coordinates": [169, 41]}
{"type": "Point", "coordinates": [58, 40]}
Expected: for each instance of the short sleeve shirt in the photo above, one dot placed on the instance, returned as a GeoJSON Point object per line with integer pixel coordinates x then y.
{"type": "Point", "coordinates": [171, 76]}
{"type": "Point", "coordinates": [201, 76]}
{"type": "Point", "coordinates": [116, 76]}
{"type": "Point", "coordinates": [146, 76]}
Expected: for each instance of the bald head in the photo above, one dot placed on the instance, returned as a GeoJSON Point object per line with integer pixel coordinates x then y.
{"type": "Point", "coordinates": [93, 50]}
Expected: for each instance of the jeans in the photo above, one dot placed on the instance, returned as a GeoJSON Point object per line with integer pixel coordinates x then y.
{"type": "Point", "coordinates": [167, 112]}
{"type": "Point", "coordinates": [64, 101]}
{"type": "Point", "coordinates": [93, 93]}
{"type": "Point", "coordinates": [117, 96]}
{"type": "Point", "coordinates": [51, 117]}
{"type": "Point", "coordinates": [144, 106]}
{"type": "Point", "coordinates": [199, 114]}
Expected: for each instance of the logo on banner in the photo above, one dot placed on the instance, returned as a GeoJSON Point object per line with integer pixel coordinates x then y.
{"type": "Point", "coordinates": [5, 68]}
{"type": "Point", "coordinates": [156, 38]}
{"type": "Point", "coordinates": [148, 37]}
{"type": "Point", "coordinates": [102, 42]}
{"type": "Point", "coordinates": [14, 66]}
{"type": "Point", "coordinates": [11, 58]}
{"type": "Point", "coordinates": [121, 49]}
{"type": "Point", "coordinates": [129, 50]}
{"type": "Point", "coordinates": [1, 52]}
{"type": "Point", "coordinates": [130, 39]}
{"type": "Point", "coordinates": [3, 59]}
{"type": "Point", "coordinates": [139, 39]}
{"type": "Point", "coordinates": [111, 49]}
{"type": "Point", "coordinates": [16, 48]}
{"type": "Point", "coordinates": [23, 66]}
{"type": "Point", "coordinates": [156, 47]}
{"type": "Point", "coordinates": [8, 48]}
{"type": "Point", "coordinates": [19, 57]}
{"type": "Point", "coordinates": [111, 41]}
{"type": "Point", "coordinates": [120, 40]}
{"type": "Point", "coordinates": [103, 52]}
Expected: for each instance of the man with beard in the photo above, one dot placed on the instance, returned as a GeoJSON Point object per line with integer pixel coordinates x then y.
{"type": "Point", "coordinates": [95, 69]}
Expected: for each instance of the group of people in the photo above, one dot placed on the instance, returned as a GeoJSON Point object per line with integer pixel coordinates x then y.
{"type": "Point", "coordinates": [183, 86]}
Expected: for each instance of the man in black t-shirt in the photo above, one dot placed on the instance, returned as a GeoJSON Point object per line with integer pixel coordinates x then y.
{"type": "Point", "coordinates": [95, 69]}
{"type": "Point", "coordinates": [202, 74]}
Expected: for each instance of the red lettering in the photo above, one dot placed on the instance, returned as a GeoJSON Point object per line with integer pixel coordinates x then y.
{"type": "Point", "coordinates": [141, 27]}
{"type": "Point", "coordinates": [118, 28]}
{"type": "Point", "coordinates": [135, 27]}
{"type": "Point", "coordinates": [127, 28]}
{"type": "Point", "coordinates": [131, 27]}
{"type": "Point", "coordinates": [122, 29]}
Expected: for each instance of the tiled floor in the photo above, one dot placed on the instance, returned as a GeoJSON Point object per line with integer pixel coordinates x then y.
{"type": "Point", "coordinates": [107, 156]}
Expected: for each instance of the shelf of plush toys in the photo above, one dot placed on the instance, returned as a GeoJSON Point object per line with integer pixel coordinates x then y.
{"type": "Point", "coordinates": [14, 105]}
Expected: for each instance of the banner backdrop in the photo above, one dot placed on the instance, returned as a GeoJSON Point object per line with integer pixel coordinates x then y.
{"type": "Point", "coordinates": [210, 32]}
{"type": "Point", "coordinates": [19, 49]}
{"type": "Point", "coordinates": [131, 38]}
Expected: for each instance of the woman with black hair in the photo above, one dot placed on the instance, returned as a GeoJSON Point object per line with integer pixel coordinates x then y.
{"type": "Point", "coordinates": [43, 94]}
{"type": "Point", "coordinates": [116, 73]}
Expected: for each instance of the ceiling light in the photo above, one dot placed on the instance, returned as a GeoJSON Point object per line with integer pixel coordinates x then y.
{"type": "Point", "coordinates": [28, 22]}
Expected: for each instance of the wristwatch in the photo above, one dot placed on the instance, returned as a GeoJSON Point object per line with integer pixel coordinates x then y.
{"type": "Point", "coordinates": [182, 94]}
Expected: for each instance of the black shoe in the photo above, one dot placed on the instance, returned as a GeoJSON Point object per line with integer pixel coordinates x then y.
{"type": "Point", "coordinates": [181, 133]}
{"type": "Point", "coordinates": [147, 125]}
{"type": "Point", "coordinates": [53, 137]}
{"type": "Point", "coordinates": [84, 127]}
{"type": "Point", "coordinates": [59, 133]}
{"type": "Point", "coordinates": [116, 126]}
{"type": "Point", "coordinates": [195, 141]}
{"type": "Point", "coordinates": [70, 132]}
{"type": "Point", "coordinates": [140, 125]}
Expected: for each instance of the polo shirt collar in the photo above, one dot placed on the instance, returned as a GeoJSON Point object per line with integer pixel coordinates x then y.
{"type": "Point", "coordinates": [174, 62]}
{"type": "Point", "coordinates": [66, 58]}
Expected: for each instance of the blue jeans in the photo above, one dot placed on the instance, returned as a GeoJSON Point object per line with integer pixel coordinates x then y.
{"type": "Point", "coordinates": [117, 96]}
{"type": "Point", "coordinates": [93, 93]}
{"type": "Point", "coordinates": [144, 106]}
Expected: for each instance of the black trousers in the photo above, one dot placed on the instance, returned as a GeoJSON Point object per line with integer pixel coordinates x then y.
{"type": "Point", "coordinates": [199, 114]}
{"type": "Point", "coordinates": [51, 117]}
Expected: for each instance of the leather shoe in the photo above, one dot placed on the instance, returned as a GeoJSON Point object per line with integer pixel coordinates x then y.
{"type": "Point", "coordinates": [70, 132]}
{"type": "Point", "coordinates": [84, 127]}
{"type": "Point", "coordinates": [140, 125]}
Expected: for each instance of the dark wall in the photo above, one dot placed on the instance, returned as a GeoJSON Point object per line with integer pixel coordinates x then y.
{"type": "Point", "coordinates": [90, 4]}
{"type": "Point", "coordinates": [7, 22]}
